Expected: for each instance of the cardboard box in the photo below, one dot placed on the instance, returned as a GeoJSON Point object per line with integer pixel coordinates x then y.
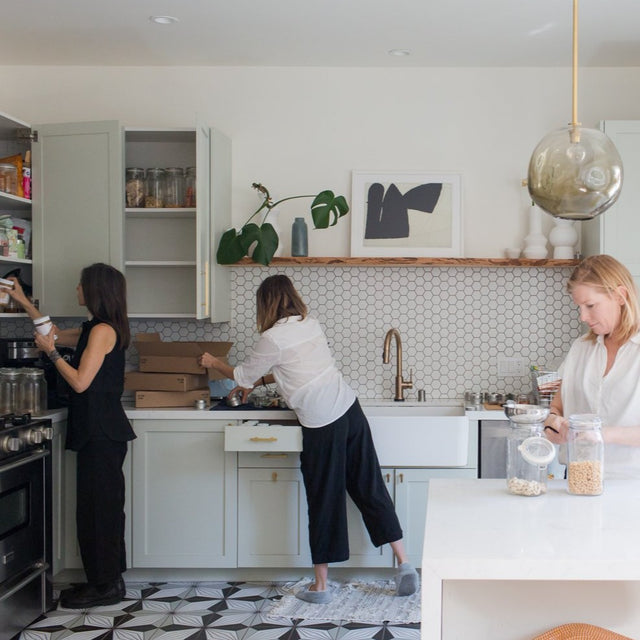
{"type": "Point", "coordinates": [155, 399]}
{"type": "Point", "coordinates": [178, 357]}
{"type": "Point", "coordinates": [140, 381]}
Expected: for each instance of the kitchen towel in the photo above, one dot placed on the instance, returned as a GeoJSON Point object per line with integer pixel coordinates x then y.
{"type": "Point", "coordinates": [352, 601]}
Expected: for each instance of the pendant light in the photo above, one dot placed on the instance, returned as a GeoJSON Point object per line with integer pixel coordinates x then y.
{"type": "Point", "coordinates": [575, 173]}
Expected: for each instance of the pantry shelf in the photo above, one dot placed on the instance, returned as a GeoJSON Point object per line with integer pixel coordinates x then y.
{"type": "Point", "coordinates": [408, 262]}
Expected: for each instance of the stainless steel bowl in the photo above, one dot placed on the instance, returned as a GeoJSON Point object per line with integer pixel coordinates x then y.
{"type": "Point", "coordinates": [234, 400]}
{"type": "Point", "coordinates": [525, 413]}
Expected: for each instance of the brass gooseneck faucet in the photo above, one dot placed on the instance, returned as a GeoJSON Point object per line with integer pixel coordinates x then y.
{"type": "Point", "coordinates": [401, 385]}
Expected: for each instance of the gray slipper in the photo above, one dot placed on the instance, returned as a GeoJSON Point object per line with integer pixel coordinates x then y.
{"type": "Point", "coordinates": [406, 580]}
{"type": "Point", "coordinates": [315, 597]}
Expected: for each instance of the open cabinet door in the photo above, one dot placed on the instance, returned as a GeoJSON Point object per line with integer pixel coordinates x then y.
{"type": "Point", "coordinates": [220, 221]}
{"type": "Point", "coordinates": [77, 208]}
{"type": "Point", "coordinates": [203, 218]}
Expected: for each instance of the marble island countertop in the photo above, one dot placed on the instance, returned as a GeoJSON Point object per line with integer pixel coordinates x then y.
{"type": "Point", "coordinates": [477, 531]}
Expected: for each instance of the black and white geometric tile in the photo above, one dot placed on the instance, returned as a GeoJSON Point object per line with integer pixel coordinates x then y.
{"type": "Point", "coordinates": [201, 611]}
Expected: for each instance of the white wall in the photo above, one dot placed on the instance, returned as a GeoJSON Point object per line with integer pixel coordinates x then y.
{"type": "Point", "coordinates": [301, 130]}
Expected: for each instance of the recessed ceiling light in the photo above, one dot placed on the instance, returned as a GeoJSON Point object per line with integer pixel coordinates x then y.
{"type": "Point", "coordinates": [164, 19]}
{"type": "Point", "coordinates": [399, 53]}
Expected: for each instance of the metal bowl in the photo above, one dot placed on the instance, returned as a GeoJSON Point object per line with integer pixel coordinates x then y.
{"type": "Point", "coordinates": [525, 413]}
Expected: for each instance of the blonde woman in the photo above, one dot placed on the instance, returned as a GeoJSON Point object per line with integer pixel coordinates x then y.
{"type": "Point", "coordinates": [338, 455]}
{"type": "Point", "coordinates": [601, 373]}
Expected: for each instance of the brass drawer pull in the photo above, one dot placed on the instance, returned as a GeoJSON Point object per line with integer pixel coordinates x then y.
{"type": "Point", "coordinates": [274, 455]}
{"type": "Point", "coordinates": [258, 439]}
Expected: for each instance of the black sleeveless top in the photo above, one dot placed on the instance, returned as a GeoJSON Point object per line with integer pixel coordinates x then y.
{"type": "Point", "coordinates": [97, 413]}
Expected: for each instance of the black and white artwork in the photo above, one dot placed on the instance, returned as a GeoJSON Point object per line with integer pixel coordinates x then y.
{"type": "Point", "coordinates": [406, 214]}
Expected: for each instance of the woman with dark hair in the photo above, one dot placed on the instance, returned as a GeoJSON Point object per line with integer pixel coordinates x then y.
{"type": "Point", "coordinates": [97, 428]}
{"type": "Point", "coordinates": [338, 455]}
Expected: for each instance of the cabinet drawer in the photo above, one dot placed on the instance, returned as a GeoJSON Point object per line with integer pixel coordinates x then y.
{"type": "Point", "coordinates": [269, 459]}
{"type": "Point", "coordinates": [276, 438]}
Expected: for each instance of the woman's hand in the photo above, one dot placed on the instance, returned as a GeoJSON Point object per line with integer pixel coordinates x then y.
{"type": "Point", "coordinates": [243, 391]}
{"type": "Point", "coordinates": [45, 343]}
{"type": "Point", "coordinates": [17, 293]}
{"type": "Point", "coordinates": [208, 361]}
{"type": "Point", "coordinates": [556, 428]}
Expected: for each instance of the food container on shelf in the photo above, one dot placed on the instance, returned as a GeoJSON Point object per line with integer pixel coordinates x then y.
{"type": "Point", "coordinates": [190, 187]}
{"type": "Point", "coordinates": [585, 455]}
{"type": "Point", "coordinates": [174, 187]}
{"type": "Point", "coordinates": [155, 188]}
{"type": "Point", "coordinates": [134, 187]}
{"type": "Point", "coordinates": [9, 178]}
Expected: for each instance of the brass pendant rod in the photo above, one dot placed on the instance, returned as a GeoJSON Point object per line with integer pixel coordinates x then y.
{"type": "Point", "coordinates": [574, 112]}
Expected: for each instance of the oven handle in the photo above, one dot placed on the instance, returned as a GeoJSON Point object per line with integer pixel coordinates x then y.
{"type": "Point", "coordinates": [38, 569]}
{"type": "Point", "coordinates": [36, 455]}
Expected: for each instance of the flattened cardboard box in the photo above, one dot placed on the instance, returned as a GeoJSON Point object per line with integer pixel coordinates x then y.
{"type": "Point", "coordinates": [140, 381]}
{"type": "Point", "coordinates": [155, 399]}
{"type": "Point", "coordinates": [178, 357]}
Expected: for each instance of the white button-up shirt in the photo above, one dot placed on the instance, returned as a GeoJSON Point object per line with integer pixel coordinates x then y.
{"type": "Point", "coordinates": [615, 398]}
{"type": "Point", "coordinates": [296, 353]}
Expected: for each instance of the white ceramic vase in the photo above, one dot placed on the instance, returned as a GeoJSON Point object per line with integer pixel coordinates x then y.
{"type": "Point", "coordinates": [563, 238]}
{"type": "Point", "coordinates": [535, 244]}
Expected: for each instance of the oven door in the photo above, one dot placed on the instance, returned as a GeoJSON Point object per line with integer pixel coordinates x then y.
{"type": "Point", "coordinates": [22, 514]}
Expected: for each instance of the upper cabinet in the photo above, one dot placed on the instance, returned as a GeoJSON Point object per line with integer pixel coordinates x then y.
{"type": "Point", "coordinates": [170, 269]}
{"type": "Point", "coordinates": [80, 216]}
{"type": "Point", "coordinates": [77, 208]}
{"type": "Point", "coordinates": [15, 138]}
{"type": "Point", "coordinates": [616, 231]}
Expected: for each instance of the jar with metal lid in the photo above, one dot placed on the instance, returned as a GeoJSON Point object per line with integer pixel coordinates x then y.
{"type": "Point", "coordinates": [155, 188]}
{"type": "Point", "coordinates": [134, 187]}
{"type": "Point", "coordinates": [10, 382]}
{"type": "Point", "coordinates": [585, 455]}
{"type": "Point", "coordinates": [9, 178]}
{"type": "Point", "coordinates": [528, 452]}
{"type": "Point", "coordinates": [174, 196]}
{"type": "Point", "coordinates": [190, 187]}
{"type": "Point", "coordinates": [33, 391]}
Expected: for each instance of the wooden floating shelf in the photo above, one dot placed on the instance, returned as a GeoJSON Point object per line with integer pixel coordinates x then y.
{"type": "Point", "coordinates": [408, 262]}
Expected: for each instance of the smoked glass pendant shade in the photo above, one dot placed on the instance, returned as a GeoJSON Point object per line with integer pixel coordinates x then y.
{"type": "Point", "coordinates": [575, 173]}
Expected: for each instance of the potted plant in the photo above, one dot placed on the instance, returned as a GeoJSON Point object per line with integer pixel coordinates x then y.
{"type": "Point", "coordinates": [326, 210]}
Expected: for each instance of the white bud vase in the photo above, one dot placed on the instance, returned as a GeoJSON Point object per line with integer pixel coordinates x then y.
{"type": "Point", "coordinates": [563, 238]}
{"type": "Point", "coordinates": [535, 244]}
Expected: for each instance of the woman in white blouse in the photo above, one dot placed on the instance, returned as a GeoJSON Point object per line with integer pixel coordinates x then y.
{"type": "Point", "coordinates": [601, 373]}
{"type": "Point", "coordinates": [338, 455]}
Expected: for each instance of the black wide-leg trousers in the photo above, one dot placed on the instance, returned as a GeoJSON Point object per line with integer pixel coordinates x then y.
{"type": "Point", "coordinates": [337, 459]}
{"type": "Point", "coordinates": [100, 510]}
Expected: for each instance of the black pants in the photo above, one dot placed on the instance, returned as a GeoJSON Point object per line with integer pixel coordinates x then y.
{"type": "Point", "coordinates": [100, 510]}
{"type": "Point", "coordinates": [337, 459]}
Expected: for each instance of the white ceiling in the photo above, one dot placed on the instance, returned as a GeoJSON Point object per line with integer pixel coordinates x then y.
{"type": "Point", "coordinates": [343, 33]}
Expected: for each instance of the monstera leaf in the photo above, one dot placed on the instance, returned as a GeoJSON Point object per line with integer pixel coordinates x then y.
{"type": "Point", "coordinates": [327, 208]}
{"type": "Point", "coordinates": [261, 241]}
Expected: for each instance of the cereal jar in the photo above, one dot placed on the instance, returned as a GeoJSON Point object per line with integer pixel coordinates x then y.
{"type": "Point", "coordinates": [585, 455]}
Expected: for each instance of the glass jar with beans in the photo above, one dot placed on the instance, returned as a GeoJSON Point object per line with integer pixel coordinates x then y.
{"type": "Point", "coordinates": [585, 455]}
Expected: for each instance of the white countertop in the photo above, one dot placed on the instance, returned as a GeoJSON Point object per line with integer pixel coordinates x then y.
{"type": "Point", "coordinates": [476, 530]}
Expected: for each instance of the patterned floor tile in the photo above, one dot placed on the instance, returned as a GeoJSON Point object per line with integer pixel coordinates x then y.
{"type": "Point", "coordinates": [201, 611]}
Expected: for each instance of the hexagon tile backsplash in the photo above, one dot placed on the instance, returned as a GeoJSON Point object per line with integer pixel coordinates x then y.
{"type": "Point", "coordinates": [455, 323]}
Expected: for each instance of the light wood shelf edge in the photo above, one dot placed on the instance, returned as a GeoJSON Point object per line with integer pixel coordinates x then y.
{"type": "Point", "coordinates": [312, 261]}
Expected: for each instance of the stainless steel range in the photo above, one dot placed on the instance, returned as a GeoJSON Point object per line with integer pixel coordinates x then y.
{"type": "Point", "coordinates": [25, 521]}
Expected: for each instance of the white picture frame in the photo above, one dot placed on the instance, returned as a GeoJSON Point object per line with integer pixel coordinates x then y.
{"type": "Point", "coordinates": [406, 214]}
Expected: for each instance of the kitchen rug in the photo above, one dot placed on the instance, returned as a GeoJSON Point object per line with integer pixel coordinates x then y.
{"type": "Point", "coordinates": [353, 601]}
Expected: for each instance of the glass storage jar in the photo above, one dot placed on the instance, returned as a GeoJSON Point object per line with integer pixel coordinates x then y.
{"type": "Point", "coordinates": [190, 187]}
{"type": "Point", "coordinates": [10, 381]}
{"type": "Point", "coordinates": [8, 178]}
{"type": "Point", "coordinates": [155, 188]}
{"type": "Point", "coordinates": [134, 187]}
{"type": "Point", "coordinates": [585, 455]}
{"type": "Point", "coordinates": [528, 455]}
{"type": "Point", "coordinates": [174, 196]}
{"type": "Point", "coordinates": [33, 391]}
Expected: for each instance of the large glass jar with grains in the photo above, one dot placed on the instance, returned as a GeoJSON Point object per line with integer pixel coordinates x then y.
{"type": "Point", "coordinates": [33, 391]}
{"type": "Point", "coordinates": [585, 455]}
{"type": "Point", "coordinates": [134, 187]}
{"type": "Point", "coordinates": [190, 187]}
{"type": "Point", "coordinates": [10, 382]}
{"type": "Point", "coordinates": [155, 189]}
{"type": "Point", "coordinates": [174, 195]}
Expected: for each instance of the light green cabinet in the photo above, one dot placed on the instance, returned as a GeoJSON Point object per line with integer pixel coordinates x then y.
{"type": "Point", "coordinates": [184, 494]}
